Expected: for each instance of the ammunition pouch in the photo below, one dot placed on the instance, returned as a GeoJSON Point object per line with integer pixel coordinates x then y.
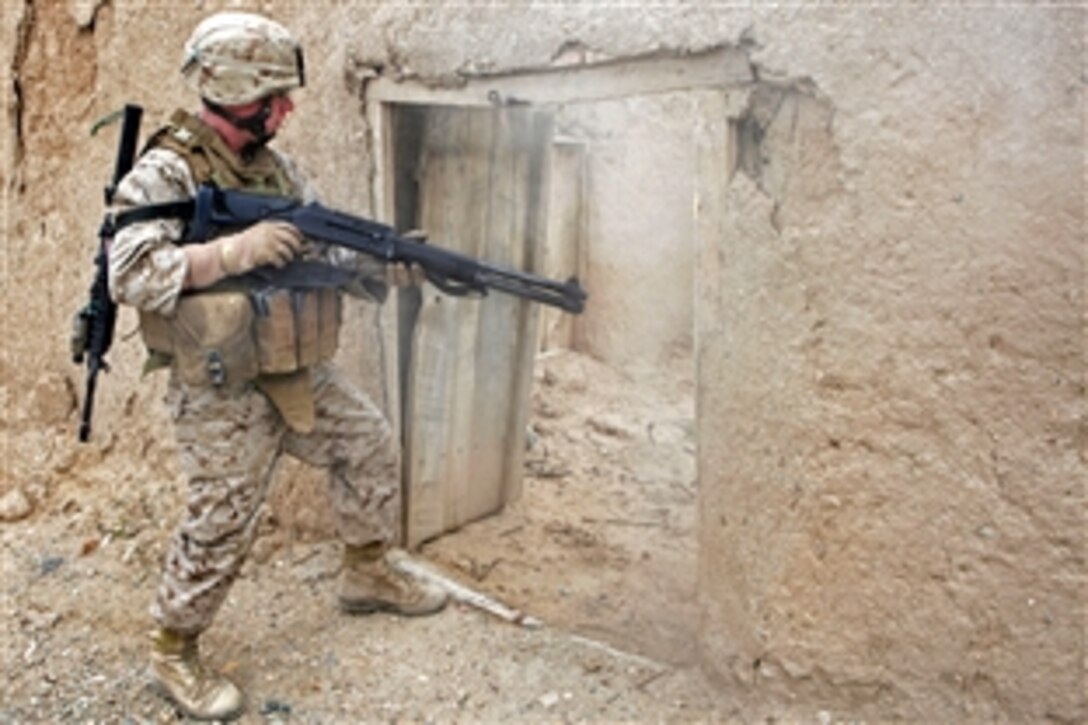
{"type": "Point", "coordinates": [231, 337]}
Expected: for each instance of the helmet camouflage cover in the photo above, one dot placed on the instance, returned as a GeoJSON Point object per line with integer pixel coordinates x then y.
{"type": "Point", "coordinates": [234, 58]}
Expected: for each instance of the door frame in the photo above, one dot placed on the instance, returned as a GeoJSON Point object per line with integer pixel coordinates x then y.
{"type": "Point", "coordinates": [724, 72]}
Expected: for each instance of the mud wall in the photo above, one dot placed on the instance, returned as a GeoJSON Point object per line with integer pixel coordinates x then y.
{"type": "Point", "coordinates": [891, 370]}
{"type": "Point", "coordinates": [69, 65]}
{"type": "Point", "coordinates": [638, 253]}
{"type": "Point", "coordinates": [890, 335]}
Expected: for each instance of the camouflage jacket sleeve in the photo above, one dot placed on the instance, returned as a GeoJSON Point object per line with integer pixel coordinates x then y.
{"type": "Point", "coordinates": [147, 269]}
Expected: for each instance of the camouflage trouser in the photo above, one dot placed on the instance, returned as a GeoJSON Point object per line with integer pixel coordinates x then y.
{"type": "Point", "coordinates": [229, 442]}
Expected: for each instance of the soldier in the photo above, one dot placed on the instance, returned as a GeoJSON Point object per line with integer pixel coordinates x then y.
{"type": "Point", "coordinates": [250, 373]}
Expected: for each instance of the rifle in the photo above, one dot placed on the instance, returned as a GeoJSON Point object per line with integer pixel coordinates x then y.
{"type": "Point", "coordinates": [215, 211]}
{"type": "Point", "coordinates": [92, 326]}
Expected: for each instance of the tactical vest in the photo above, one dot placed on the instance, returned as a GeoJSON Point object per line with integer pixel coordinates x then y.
{"type": "Point", "coordinates": [233, 333]}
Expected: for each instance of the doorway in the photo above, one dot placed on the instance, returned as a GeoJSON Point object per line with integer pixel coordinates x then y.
{"type": "Point", "coordinates": [595, 529]}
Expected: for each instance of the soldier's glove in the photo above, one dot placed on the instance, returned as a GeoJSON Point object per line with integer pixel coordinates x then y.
{"type": "Point", "coordinates": [263, 243]}
{"type": "Point", "coordinates": [274, 243]}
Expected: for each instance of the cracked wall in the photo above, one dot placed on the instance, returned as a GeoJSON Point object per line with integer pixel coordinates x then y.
{"type": "Point", "coordinates": [892, 377]}
{"type": "Point", "coordinates": [70, 63]}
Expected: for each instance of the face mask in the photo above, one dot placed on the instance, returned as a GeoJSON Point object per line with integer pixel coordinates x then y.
{"type": "Point", "coordinates": [256, 125]}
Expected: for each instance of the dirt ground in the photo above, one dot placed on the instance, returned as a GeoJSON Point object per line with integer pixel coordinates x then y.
{"type": "Point", "coordinates": [600, 549]}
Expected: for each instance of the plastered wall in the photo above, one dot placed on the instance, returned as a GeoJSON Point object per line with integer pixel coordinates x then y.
{"type": "Point", "coordinates": [637, 253]}
{"type": "Point", "coordinates": [891, 371]}
{"type": "Point", "coordinates": [890, 312]}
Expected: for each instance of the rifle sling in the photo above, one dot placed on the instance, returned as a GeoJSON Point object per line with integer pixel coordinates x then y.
{"type": "Point", "coordinates": [168, 210]}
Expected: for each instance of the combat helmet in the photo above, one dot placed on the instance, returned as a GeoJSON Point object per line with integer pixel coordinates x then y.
{"type": "Point", "coordinates": [234, 58]}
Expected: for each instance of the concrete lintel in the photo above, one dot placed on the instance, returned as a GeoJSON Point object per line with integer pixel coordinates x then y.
{"type": "Point", "coordinates": [719, 68]}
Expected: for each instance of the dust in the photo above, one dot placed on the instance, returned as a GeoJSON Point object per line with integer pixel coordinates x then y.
{"type": "Point", "coordinates": [600, 548]}
{"type": "Point", "coordinates": [602, 541]}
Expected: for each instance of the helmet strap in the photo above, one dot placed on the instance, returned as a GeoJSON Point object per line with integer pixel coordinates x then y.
{"type": "Point", "coordinates": [255, 124]}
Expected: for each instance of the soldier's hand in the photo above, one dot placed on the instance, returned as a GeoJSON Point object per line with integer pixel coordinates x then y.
{"type": "Point", "coordinates": [404, 275]}
{"type": "Point", "coordinates": [272, 242]}
{"type": "Point", "coordinates": [263, 243]}
{"type": "Point", "coordinates": [407, 275]}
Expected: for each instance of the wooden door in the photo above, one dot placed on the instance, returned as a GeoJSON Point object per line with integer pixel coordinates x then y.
{"type": "Point", "coordinates": [481, 184]}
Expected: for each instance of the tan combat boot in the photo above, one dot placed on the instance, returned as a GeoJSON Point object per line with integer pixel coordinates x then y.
{"type": "Point", "coordinates": [200, 693]}
{"type": "Point", "coordinates": [370, 584]}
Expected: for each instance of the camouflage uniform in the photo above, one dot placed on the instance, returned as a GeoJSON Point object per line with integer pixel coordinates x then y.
{"type": "Point", "coordinates": [230, 437]}
{"type": "Point", "coordinates": [250, 372]}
